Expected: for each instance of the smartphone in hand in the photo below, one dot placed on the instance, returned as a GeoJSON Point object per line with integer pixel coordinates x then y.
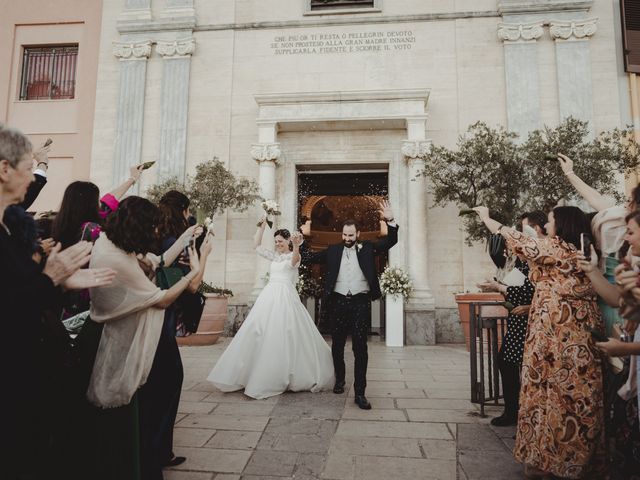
{"type": "Point", "coordinates": [585, 245]}
{"type": "Point", "coordinates": [597, 336]}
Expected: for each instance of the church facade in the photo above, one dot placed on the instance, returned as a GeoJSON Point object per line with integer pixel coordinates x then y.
{"type": "Point", "coordinates": [283, 89]}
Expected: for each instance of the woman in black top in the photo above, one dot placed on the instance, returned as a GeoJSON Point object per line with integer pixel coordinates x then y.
{"type": "Point", "coordinates": [160, 395]}
{"type": "Point", "coordinates": [27, 289]}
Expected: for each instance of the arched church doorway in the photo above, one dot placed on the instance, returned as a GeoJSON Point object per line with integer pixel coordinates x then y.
{"type": "Point", "coordinates": [325, 201]}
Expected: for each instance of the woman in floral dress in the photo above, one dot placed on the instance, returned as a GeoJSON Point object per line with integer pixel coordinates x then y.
{"type": "Point", "coordinates": [561, 418]}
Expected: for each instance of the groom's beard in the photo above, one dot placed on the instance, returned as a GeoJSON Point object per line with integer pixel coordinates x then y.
{"type": "Point", "coordinates": [349, 243]}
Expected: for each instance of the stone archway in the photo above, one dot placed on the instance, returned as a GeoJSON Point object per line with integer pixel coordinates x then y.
{"type": "Point", "coordinates": [330, 111]}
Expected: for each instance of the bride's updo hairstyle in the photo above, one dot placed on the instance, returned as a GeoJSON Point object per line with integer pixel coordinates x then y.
{"type": "Point", "coordinates": [284, 233]}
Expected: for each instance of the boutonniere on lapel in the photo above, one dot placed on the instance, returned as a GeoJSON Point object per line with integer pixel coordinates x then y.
{"type": "Point", "coordinates": [359, 246]}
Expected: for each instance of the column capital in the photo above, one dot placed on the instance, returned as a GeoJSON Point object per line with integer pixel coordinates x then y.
{"type": "Point", "coordinates": [183, 47]}
{"type": "Point", "coordinates": [132, 50]}
{"type": "Point", "coordinates": [416, 149]}
{"type": "Point", "coordinates": [265, 152]}
{"type": "Point", "coordinates": [520, 32]}
{"type": "Point", "coordinates": [573, 30]}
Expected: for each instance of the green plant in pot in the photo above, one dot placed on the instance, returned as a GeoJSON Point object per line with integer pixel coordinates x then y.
{"type": "Point", "coordinates": [212, 190]}
{"type": "Point", "coordinates": [489, 167]}
{"type": "Point", "coordinates": [213, 290]}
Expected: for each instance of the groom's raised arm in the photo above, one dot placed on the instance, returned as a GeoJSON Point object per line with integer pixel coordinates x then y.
{"type": "Point", "coordinates": [391, 239]}
{"type": "Point", "coordinates": [387, 242]}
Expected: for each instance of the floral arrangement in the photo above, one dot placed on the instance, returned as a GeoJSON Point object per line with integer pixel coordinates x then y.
{"type": "Point", "coordinates": [208, 224]}
{"type": "Point", "coordinates": [208, 288]}
{"type": "Point", "coordinates": [395, 281]}
{"type": "Point", "coordinates": [272, 209]}
{"type": "Point", "coordinates": [307, 286]}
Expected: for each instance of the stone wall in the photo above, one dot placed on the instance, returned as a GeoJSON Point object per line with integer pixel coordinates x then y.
{"type": "Point", "coordinates": [477, 58]}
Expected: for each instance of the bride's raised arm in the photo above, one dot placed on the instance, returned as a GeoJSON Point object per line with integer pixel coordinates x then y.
{"type": "Point", "coordinates": [257, 239]}
{"type": "Point", "coordinates": [296, 241]}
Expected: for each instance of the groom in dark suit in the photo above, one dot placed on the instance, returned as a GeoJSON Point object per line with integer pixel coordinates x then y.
{"type": "Point", "coordinates": [351, 283]}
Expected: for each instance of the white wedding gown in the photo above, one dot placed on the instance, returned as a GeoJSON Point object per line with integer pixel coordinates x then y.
{"type": "Point", "coordinates": [278, 347]}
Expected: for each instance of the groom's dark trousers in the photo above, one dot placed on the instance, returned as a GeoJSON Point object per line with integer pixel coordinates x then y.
{"type": "Point", "coordinates": [351, 315]}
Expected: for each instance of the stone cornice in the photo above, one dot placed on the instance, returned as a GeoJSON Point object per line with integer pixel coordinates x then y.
{"type": "Point", "coordinates": [348, 96]}
{"type": "Point", "coordinates": [177, 48]}
{"type": "Point", "coordinates": [132, 50]}
{"type": "Point", "coordinates": [542, 6]}
{"type": "Point", "coordinates": [265, 152]}
{"type": "Point", "coordinates": [573, 30]}
{"type": "Point", "coordinates": [519, 32]}
{"type": "Point", "coordinates": [189, 23]}
{"type": "Point", "coordinates": [413, 149]}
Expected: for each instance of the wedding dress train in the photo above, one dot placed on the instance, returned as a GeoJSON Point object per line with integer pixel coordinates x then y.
{"type": "Point", "coordinates": [278, 347]}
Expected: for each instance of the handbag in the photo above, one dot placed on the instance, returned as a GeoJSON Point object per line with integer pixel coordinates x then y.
{"type": "Point", "coordinates": [496, 249]}
{"type": "Point", "coordinates": [167, 277]}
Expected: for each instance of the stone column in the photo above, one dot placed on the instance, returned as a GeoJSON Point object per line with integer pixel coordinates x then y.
{"type": "Point", "coordinates": [134, 13]}
{"type": "Point", "coordinates": [522, 76]}
{"type": "Point", "coordinates": [420, 320]}
{"type": "Point", "coordinates": [573, 61]}
{"type": "Point", "coordinates": [174, 107]}
{"type": "Point", "coordinates": [128, 139]}
{"type": "Point", "coordinates": [266, 154]}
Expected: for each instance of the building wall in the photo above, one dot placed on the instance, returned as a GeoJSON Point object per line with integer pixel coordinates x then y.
{"type": "Point", "coordinates": [69, 123]}
{"type": "Point", "coordinates": [240, 52]}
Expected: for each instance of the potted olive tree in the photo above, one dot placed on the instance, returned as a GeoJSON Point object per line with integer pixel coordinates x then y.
{"type": "Point", "coordinates": [490, 167]}
{"type": "Point", "coordinates": [214, 316]}
{"type": "Point", "coordinates": [212, 190]}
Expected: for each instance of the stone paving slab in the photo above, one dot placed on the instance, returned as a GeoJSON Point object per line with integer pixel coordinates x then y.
{"type": "Point", "coordinates": [233, 440]}
{"type": "Point", "coordinates": [441, 416]}
{"type": "Point", "coordinates": [196, 407]}
{"type": "Point", "coordinates": [224, 422]}
{"type": "Point", "coordinates": [177, 475]}
{"type": "Point", "coordinates": [422, 425]}
{"type": "Point", "coordinates": [209, 460]}
{"type": "Point", "coordinates": [384, 447]}
{"type": "Point", "coordinates": [393, 429]}
{"type": "Point", "coordinates": [191, 437]}
{"type": "Point", "coordinates": [242, 409]}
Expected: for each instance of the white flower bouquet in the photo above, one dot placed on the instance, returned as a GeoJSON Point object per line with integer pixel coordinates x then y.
{"type": "Point", "coordinates": [395, 281]}
{"type": "Point", "coordinates": [272, 209]}
{"type": "Point", "coordinates": [208, 224]}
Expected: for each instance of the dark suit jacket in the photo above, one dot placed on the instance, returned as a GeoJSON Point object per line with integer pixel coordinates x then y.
{"type": "Point", "coordinates": [33, 191]}
{"type": "Point", "coordinates": [332, 257]}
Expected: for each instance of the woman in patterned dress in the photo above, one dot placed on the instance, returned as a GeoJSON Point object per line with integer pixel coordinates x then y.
{"type": "Point", "coordinates": [511, 350]}
{"type": "Point", "coordinates": [561, 417]}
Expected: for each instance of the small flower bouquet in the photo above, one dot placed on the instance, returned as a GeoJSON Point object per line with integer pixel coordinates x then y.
{"type": "Point", "coordinates": [395, 281]}
{"type": "Point", "coordinates": [272, 209]}
{"type": "Point", "coordinates": [208, 225]}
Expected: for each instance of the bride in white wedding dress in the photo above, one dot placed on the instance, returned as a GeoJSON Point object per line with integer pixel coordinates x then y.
{"type": "Point", "coordinates": [278, 347]}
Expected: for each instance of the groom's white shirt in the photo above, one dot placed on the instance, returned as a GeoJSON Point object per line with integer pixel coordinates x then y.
{"type": "Point", "coordinates": [350, 277]}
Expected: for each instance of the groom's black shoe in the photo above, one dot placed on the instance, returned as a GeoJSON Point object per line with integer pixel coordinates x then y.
{"type": "Point", "coordinates": [362, 402]}
{"type": "Point", "coordinates": [338, 387]}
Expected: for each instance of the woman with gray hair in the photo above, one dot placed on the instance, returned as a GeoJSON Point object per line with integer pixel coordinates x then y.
{"type": "Point", "coordinates": [27, 289]}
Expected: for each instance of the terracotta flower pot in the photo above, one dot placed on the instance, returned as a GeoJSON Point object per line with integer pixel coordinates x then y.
{"type": "Point", "coordinates": [464, 299]}
{"type": "Point", "coordinates": [211, 323]}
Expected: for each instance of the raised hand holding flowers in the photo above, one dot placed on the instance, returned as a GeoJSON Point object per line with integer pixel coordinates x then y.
{"type": "Point", "coordinates": [208, 224]}
{"type": "Point", "coordinates": [271, 208]}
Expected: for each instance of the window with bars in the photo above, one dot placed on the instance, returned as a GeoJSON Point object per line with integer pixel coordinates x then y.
{"type": "Point", "coordinates": [49, 72]}
{"type": "Point", "coordinates": [631, 34]}
{"type": "Point", "coordinates": [335, 4]}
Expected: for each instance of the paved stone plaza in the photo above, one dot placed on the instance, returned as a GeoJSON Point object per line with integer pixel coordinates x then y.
{"type": "Point", "coordinates": [422, 425]}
